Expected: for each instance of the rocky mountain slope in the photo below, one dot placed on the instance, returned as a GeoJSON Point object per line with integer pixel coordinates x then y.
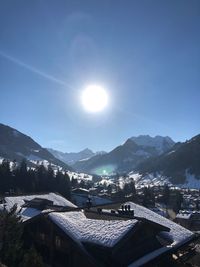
{"type": "Point", "coordinates": [160, 143]}
{"type": "Point", "coordinates": [182, 161]}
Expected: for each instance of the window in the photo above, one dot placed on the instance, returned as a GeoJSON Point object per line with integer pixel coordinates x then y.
{"type": "Point", "coordinates": [42, 236]}
{"type": "Point", "coordinates": [57, 242]}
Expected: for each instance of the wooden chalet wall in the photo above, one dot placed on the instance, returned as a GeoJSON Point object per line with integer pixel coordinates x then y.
{"type": "Point", "coordinates": [56, 248]}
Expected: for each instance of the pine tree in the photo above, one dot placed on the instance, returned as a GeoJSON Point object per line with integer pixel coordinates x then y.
{"type": "Point", "coordinates": [41, 174]}
{"type": "Point", "coordinates": [166, 194]}
{"type": "Point", "coordinates": [63, 185]}
{"type": "Point", "coordinates": [5, 176]}
{"type": "Point", "coordinates": [148, 197]}
{"type": "Point", "coordinates": [21, 177]}
{"type": "Point", "coordinates": [31, 176]}
{"type": "Point", "coordinates": [50, 179]}
{"type": "Point", "coordinates": [10, 237]}
{"type": "Point", "coordinates": [74, 182]}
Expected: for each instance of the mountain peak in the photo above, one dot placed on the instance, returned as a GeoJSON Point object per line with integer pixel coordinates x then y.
{"type": "Point", "coordinates": [179, 164]}
{"type": "Point", "coordinates": [130, 142]}
{"type": "Point", "coordinates": [86, 150]}
{"type": "Point", "coordinates": [160, 143]}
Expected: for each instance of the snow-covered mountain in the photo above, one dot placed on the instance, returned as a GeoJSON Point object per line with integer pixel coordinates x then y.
{"type": "Point", "coordinates": [15, 145]}
{"type": "Point", "coordinates": [72, 157]}
{"type": "Point", "coordinates": [126, 157]}
{"type": "Point", "coordinates": [160, 143]}
{"type": "Point", "coordinates": [181, 164]}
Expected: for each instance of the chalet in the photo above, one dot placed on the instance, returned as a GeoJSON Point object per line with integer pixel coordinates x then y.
{"type": "Point", "coordinates": [65, 235]}
{"type": "Point", "coordinates": [120, 238]}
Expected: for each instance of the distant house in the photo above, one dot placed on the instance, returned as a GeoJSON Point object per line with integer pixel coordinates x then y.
{"type": "Point", "coordinates": [81, 191]}
{"type": "Point", "coordinates": [80, 197]}
{"type": "Point", "coordinates": [189, 219]}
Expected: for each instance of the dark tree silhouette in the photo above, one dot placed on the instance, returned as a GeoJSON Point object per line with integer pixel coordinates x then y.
{"type": "Point", "coordinates": [28, 180]}
{"type": "Point", "coordinates": [10, 237]}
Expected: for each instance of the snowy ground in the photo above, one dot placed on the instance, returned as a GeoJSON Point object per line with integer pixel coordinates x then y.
{"type": "Point", "coordinates": [192, 181]}
{"type": "Point", "coordinates": [80, 176]}
{"type": "Point", "coordinates": [149, 179]}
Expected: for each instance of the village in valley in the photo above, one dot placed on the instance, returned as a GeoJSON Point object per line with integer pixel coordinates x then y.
{"type": "Point", "coordinates": [55, 216]}
{"type": "Point", "coordinates": [99, 133]}
{"type": "Point", "coordinates": [105, 216]}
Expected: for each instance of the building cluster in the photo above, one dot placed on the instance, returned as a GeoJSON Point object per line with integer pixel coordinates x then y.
{"type": "Point", "coordinates": [108, 234]}
{"type": "Point", "coordinates": [189, 215]}
{"type": "Point", "coordinates": [185, 203]}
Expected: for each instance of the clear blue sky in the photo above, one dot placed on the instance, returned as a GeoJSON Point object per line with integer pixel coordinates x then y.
{"type": "Point", "coordinates": [146, 53]}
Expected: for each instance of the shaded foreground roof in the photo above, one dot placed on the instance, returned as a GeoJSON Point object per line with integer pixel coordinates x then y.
{"type": "Point", "coordinates": [108, 233]}
{"type": "Point", "coordinates": [179, 234]}
{"type": "Point", "coordinates": [104, 233]}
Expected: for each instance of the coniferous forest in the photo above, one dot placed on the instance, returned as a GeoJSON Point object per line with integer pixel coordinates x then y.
{"type": "Point", "coordinates": [21, 179]}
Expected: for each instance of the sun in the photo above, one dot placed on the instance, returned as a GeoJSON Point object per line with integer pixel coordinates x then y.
{"type": "Point", "coordinates": [94, 98]}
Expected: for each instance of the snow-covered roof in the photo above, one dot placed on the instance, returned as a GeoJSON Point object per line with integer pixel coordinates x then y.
{"type": "Point", "coordinates": [83, 190]}
{"type": "Point", "coordinates": [159, 211]}
{"type": "Point", "coordinates": [81, 229]}
{"type": "Point", "coordinates": [81, 200]}
{"type": "Point", "coordinates": [28, 212]}
{"type": "Point", "coordinates": [183, 214]}
{"type": "Point", "coordinates": [179, 234]}
{"type": "Point", "coordinates": [80, 176]}
{"type": "Point", "coordinates": [186, 214]}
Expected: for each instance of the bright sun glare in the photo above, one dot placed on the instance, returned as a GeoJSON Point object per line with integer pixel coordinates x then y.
{"type": "Point", "coordinates": [94, 98]}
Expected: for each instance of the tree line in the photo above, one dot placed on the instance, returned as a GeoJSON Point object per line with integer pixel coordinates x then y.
{"type": "Point", "coordinates": [21, 179]}
{"type": "Point", "coordinates": [13, 252]}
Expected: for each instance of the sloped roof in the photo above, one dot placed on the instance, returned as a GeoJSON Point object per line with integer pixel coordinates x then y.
{"type": "Point", "coordinates": [108, 233]}
{"type": "Point", "coordinates": [28, 212]}
{"type": "Point", "coordinates": [179, 234]}
{"type": "Point", "coordinates": [82, 229]}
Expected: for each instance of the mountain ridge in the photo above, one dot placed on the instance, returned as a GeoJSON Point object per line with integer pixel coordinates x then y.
{"type": "Point", "coordinates": [71, 158]}
{"type": "Point", "coordinates": [182, 159]}
{"type": "Point", "coordinates": [15, 145]}
{"type": "Point", "coordinates": [123, 158]}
